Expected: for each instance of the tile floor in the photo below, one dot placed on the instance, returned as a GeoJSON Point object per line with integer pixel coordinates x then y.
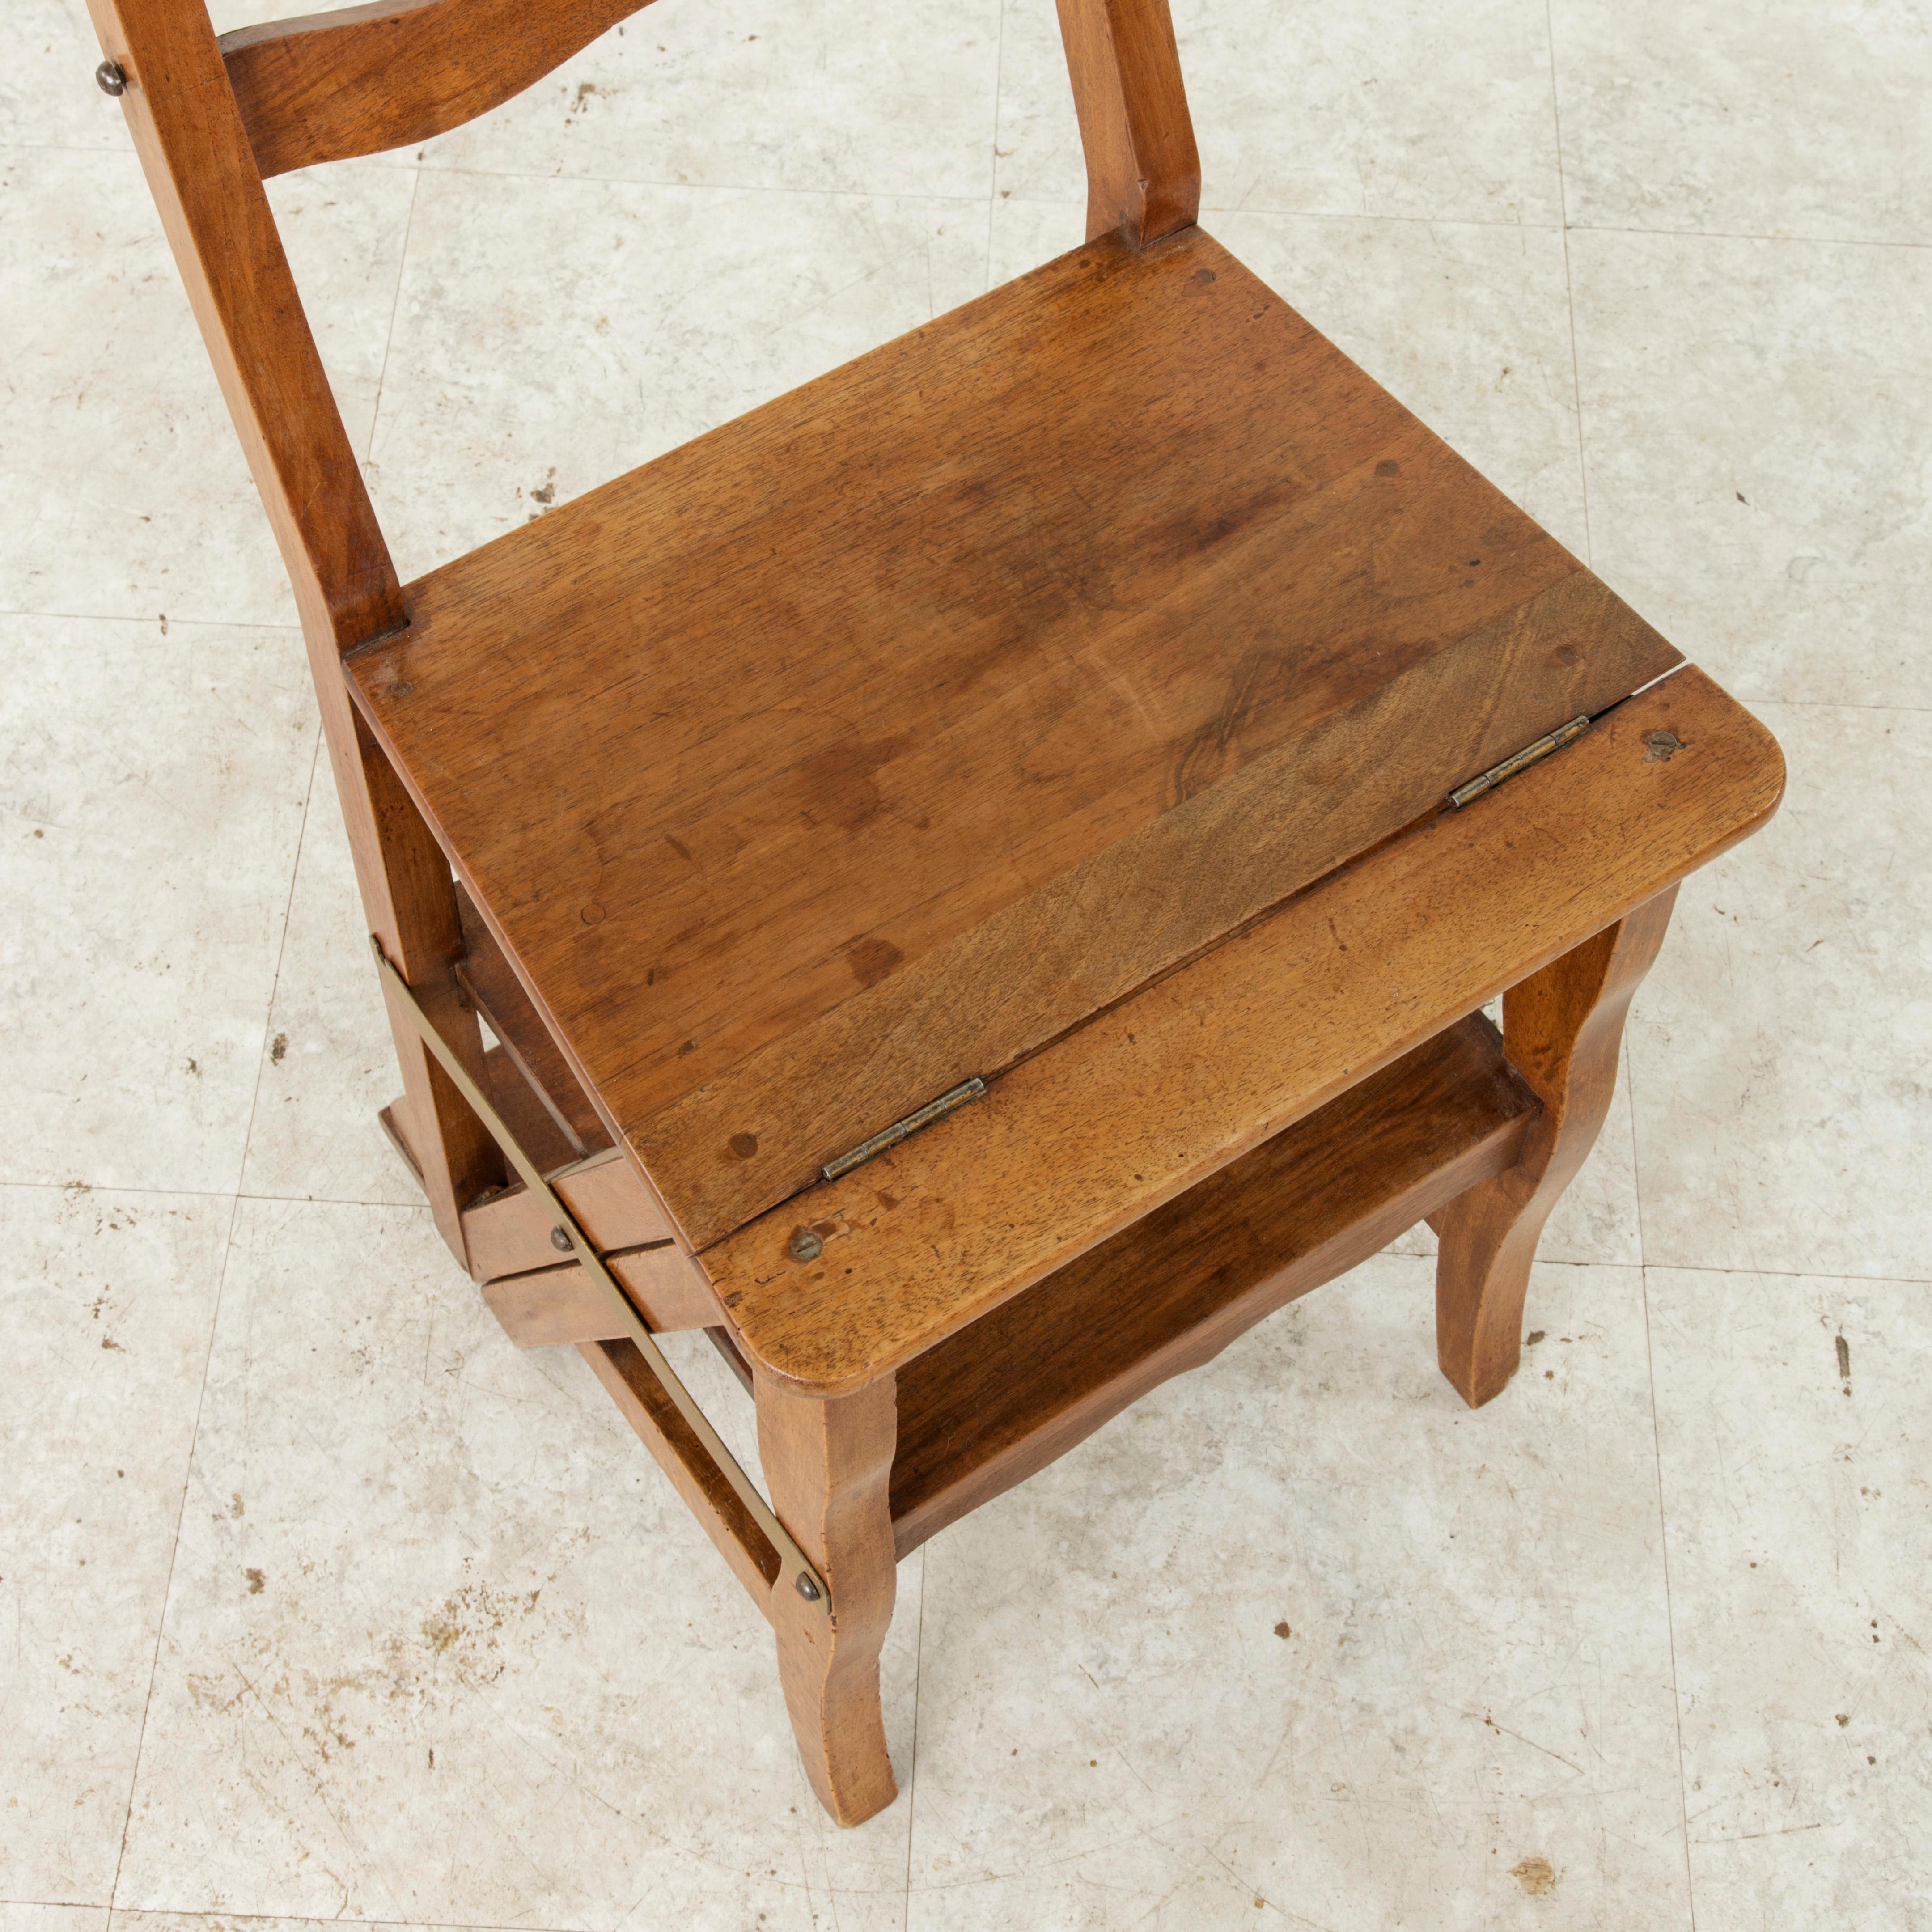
{"type": "Point", "coordinates": [319, 1601]}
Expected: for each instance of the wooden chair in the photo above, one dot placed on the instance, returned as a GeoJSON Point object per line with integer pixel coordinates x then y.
{"type": "Point", "coordinates": [981, 876]}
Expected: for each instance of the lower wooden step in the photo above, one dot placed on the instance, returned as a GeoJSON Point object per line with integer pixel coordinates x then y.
{"type": "Point", "coordinates": [1007, 1395]}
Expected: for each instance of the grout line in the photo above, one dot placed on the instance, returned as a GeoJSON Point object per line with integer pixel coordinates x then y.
{"type": "Point", "coordinates": [912, 1775]}
{"type": "Point", "coordinates": [214, 1324]}
{"type": "Point", "coordinates": [123, 617]}
{"type": "Point", "coordinates": [174, 1556]}
{"type": "Point", "coordinates": [1569, 286]}
{"type": "Point", "coordinates": [992, 203]}
{"type": "Point", "coordinates": [395, 308]}
{"type": "Point", "coordinates": [1670, 1606]}
{"type": "Point", "coordinates": [1656, 1454]}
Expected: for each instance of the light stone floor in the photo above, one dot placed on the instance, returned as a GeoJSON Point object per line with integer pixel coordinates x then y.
{"type": "Point", "coordinates": [319, 1601]}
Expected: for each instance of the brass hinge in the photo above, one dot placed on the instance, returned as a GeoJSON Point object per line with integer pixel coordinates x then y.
{"type": "Point", "coordinates": [1519, 761]}
{"type": "Point", "coordinates": [899, 1130]}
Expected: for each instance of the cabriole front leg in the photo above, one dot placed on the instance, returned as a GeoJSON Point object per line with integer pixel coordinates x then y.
{"type": "Point", "coordinates": [828, 1464]}
{"type": "Point", "coordinates": [1562, 1029]}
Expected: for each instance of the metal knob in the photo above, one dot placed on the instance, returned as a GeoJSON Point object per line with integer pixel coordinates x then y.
{"type": "Point", "coordinates": [807, 1589]}
{"type": "Point", "coordinates": [559, 1239]}
{"type": "Point", "coordinates": [109, 78]}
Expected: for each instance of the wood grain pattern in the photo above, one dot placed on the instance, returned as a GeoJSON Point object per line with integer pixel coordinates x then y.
{"type": "Point", "coordinates": [1563, 1027]}
{"type": "Point", "coordinates": [1005, 1397]}
{"type": "Point", "coordinates": [850, 677]}
{"type": "Point", "coordinates": [508, 1233]}
{"type": "Point", "coordinates": [826, 1468]}
{"type": "Point", "coordinates": [485, 975]}
{"type": "Point", "coordinates": [1143, 174]}
{"type": "Point", "coordinates": [553, 1305]}
{"type": "Point", "coordinates": [359, 79]}
{"type": "Point", "coordinates": [1088, 1137]}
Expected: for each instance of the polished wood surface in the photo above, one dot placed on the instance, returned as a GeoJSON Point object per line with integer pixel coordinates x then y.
{"type": "Point", "coordinates": [552, 1305]}
{"type": "Point", "coordinates": [358, 79]}
{"type": "Point", "coordinates": [499, 999]}
{"type": "Point", "coordinates": [1143, 174]}
{"type": "Point", "coordinates": [1562, 1028]}
{"type": "Point", "coordinates": [871, 741]}
{"type": "Point", "coordinates": [827, 1466]}
{"type": "Point", "coordinates": [1128, 1111]}
{"type": "Point", "coordinates": [1005, 1397]}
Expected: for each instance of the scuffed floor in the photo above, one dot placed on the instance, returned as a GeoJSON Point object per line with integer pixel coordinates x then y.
{"type": "Point", "coordinates": [319, 1601]}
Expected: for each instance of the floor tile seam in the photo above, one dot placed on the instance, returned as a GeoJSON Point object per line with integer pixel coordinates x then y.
{"type": "Point", "coordinates": [400, 1923]}
{"type": "Point", "coordinates": [1569, 283]}
{"type": "Point", "coordinates": [214, 1323]}
{"type": "Point", "coordinates": [918, 1668]}
{"type": "Point", "coordinates": [962, 200]}
{"type": "Point", "coordinates": [1789, 1274]}
{"type": "Point", "coordinates": [1657, 1459]}
{"type": "Point", "coordinates": [123, 617]}
{"type": "Point", "coordinates": [116, 1187]}
{"type": "Point", "coordinates": [263, 1060]}
{"type": "Point", "coordinates": [992, 205]}
{"type": "Point", "coordinates": [1745, 234]}
{"type": "Point", "coordinates": [395, 309]}
{"type": "Point", "coordinates": [174, 1557]}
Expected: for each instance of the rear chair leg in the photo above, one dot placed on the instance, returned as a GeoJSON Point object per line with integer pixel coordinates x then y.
{"type": "Point", "coordinates": [1562, 1029]}
{"type": "Point", "coordinates": [410, 904]}
{"type": "Point", "coordinates": [828, 1464]}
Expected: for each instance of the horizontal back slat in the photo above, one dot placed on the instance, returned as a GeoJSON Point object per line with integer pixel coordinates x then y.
{"type": "Point", "coordinates": [327, 86]}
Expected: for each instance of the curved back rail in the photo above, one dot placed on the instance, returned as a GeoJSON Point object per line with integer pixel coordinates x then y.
{"type": "Point", "coordinates": [360, 79]}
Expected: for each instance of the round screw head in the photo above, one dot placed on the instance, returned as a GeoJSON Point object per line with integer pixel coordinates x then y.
{"type": "Point", "coordinates": [559, 1239]}
{"type": "Point", "coordinates": [807, 1589]}
{"type": "Point", "coordinates": [806, 1246]}
{"type": "Point", "coordinates": [109, 78]}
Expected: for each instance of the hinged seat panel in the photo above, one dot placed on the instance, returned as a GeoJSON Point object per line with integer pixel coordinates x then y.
{"type": "Point", "coordinates": [874, 740]}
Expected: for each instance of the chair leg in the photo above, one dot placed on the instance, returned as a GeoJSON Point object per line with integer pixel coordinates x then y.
{"type": "Point", "coordinates": [829, 1464]}
{"type": "Point", "coordinates": [1562, 1029]}
{"type": "Point", "coordinates": [410, 904]}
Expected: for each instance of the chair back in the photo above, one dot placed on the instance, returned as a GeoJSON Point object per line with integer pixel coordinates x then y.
{"type": "Point", "coordinates": [212, 119]}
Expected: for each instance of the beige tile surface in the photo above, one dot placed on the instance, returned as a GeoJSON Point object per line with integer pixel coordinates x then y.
{"type": "Point", "coordinates": [1757, 416]}
{"type": "Point", "coordinates": [552, 335]}
{"type": "Point", "coordinates": [1780, 117]}
{"type": "Point", "coordinates": [443, 1644]}
{"type": "Point", "coordinates": [1778, 1056]}
{"type": "Point", "coordinates": [124, 492]}
{"type": "Point", "coordinates": [17, 1916]}
{"type": "Point", "coordinates": [1476, 1672]}
{"type": "Point", "coordinates": [153, 788]}
{"type": "Point", "coordinates": [108, 1300]}
{"type": "Point", "coordinates": [850, 96]}
{"type": "Point", "coordinates": [1422, 108]}
{"type": "Point", "coordinates": [328, 1064]}
{"type": "Point", "coordinates": [1797, 1460]}
{"type": "Point", "coordinates": [48, 95]}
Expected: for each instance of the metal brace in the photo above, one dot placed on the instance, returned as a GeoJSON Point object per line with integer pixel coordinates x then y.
{"type": "Point", "coordinates": [793, 1564]}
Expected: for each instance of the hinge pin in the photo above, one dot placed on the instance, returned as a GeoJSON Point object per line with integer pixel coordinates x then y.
{"type": "Point", "coordinates": [899, 1130]}
{"type": "Point", "coordinates": [1519, 761]}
